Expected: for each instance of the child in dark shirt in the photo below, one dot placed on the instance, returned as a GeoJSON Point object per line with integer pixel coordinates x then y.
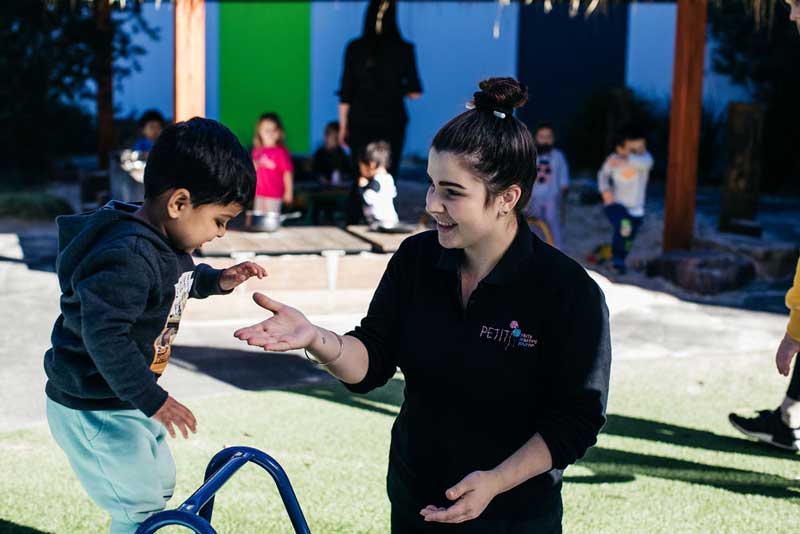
{"type": "Point", "coordinates": [331, 165]}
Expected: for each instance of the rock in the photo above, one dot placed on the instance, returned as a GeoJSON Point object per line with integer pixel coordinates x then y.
{"type": "Point", "coordinates": [773, 260]}
{"type": "Point", "coordinates": [584, 191]}
{"type": "Point", "coordinates": [703, 271]}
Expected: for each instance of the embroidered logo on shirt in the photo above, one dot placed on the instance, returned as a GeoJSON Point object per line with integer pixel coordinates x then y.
{"type": "Point", "coordinates": [510, 337]}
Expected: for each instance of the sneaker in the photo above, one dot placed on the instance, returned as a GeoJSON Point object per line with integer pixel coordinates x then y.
{"type": "Point", "coordinates": [768, 427]}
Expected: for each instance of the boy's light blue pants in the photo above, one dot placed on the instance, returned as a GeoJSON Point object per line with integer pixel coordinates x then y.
{"type": "Point", "coordinates": [121, 458]}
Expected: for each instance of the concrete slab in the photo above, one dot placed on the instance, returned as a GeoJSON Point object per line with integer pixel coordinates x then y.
{"type": "Point", "coordinates": [208, 361]}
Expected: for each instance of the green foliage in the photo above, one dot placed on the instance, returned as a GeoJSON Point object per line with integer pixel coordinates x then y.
{"type": "Point", "coordinates": [766, 59]}
{"type": "Point", "coordinates": [590, 134]}
{"type": "Point", "coordinates": [33, 205]}
{"type": "Point", "coordinates": [49, 62]}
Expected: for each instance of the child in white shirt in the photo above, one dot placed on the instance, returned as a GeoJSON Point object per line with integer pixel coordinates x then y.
{"type": "Point", "coordinates": [377, 186]}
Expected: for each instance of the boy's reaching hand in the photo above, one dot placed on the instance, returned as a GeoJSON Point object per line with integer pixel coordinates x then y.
{"type": "Point", "coordinates": [233, 276]}
{"type": "Point", "coordinates": [173, 412]}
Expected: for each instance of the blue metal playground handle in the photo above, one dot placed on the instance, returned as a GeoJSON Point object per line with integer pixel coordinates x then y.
{"type": "Point", "coordinates": [195, 512]}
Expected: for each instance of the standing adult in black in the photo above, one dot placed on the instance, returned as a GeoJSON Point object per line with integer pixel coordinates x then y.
{"type": "Point", "coordinates": [380, 70]}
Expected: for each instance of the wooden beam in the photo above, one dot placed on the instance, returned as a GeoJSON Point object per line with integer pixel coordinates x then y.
{"type": "Point", "coordinates": [686, 114]}
{"type": "Point", "coordinates": [104, 81]}
{"type": "Point", "coordinates": [190, 59]}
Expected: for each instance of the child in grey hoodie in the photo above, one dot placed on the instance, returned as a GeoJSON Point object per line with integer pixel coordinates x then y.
{"type": "Point", "coordinates": [125, 273]}
{"type": "Point", "coordinates": [622, 181]}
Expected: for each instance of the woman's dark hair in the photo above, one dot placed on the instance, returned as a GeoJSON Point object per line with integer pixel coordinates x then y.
{"type": "Point", "coordinates": [491, 142]}
{"type": "Point", "coordinates": [203, 156]}
{"type": "Point", "coordinates": [380, 21]}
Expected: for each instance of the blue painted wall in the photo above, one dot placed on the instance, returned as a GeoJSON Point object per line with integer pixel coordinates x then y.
{"type": "Point", "coordinates": [565, 59]}
{"type": "Point", "coordinates": [455, 49]}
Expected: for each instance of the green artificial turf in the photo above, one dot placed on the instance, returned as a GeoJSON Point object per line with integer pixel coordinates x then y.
{"type": "Point", "coordinates": [667, 462]}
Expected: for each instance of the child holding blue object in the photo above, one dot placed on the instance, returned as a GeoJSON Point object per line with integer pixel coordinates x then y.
{"type": "Point", "coordinates": [151, 123]}
{"type": "Point", "coordinates": [622, 181]}
{"type": "Point", "coordinates": [126, 273]}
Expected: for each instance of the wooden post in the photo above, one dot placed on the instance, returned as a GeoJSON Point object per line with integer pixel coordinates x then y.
{"type": "Point", "coordinates": [104, 80]}
{"type": "Point", "coordinates": [686, 114]}
{"type": "Point", "coordinates": [190, 59]}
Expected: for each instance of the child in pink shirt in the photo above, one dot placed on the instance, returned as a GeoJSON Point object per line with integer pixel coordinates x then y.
{"type": "Point", "coordinates": [273, 163]}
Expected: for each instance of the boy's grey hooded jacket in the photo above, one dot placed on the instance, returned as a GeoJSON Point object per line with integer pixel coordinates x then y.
{"type": "Point", "coordinates": [120, 282]}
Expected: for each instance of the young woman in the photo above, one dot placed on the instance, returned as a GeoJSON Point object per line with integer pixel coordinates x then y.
{"type": "Point", "coordinates": [503, 341]}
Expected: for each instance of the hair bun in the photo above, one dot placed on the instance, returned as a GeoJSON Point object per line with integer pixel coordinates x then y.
{"type": "Point", "coordinates": [505, 93]}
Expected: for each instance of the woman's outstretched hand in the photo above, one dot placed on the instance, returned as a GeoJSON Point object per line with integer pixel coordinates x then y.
{"type": "Point", "coordinates": [287, 329]}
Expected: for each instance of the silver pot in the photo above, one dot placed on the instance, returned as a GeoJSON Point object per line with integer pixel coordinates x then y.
{"type": "Point", "coordinates": [270, 221]}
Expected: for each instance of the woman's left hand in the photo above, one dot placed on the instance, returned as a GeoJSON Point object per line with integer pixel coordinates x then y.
{"type": "Point", "coordinates": [472, 495]}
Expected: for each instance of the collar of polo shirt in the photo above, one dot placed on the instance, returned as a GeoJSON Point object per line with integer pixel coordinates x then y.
{"type": "Point", "coordinates": [508, 269]}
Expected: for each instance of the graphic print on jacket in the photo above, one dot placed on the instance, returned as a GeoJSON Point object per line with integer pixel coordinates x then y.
{"type": "Point", "coordinates": [162, 346]}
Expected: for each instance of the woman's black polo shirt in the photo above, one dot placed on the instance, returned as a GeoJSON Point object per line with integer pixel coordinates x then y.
{"type": "Point", "coordinates": [531, 353]}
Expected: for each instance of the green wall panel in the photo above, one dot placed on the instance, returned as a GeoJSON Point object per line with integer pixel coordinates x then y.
{"type": "Point", "coordinates": [265, 65]}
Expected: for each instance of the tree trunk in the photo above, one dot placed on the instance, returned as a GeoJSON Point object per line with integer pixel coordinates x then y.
{"type": "Point", "coordinates": [104, 79]}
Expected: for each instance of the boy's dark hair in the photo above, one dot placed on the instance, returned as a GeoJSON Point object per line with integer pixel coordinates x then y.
{"type": "Point", "coordinates": [628, 132]}
{"type": "Point", "coordinates": [490, 141]}
{"type": "Point", "coordinates": [151, 115]}
{"type": "Point", "coordinates": [332, 126]}
{"type": "Point", "coordinates": [204, 157]}
{"type": "Point", "coordinates": [377, 152]}
{"type": "Point", "coordinates": [544, 125]}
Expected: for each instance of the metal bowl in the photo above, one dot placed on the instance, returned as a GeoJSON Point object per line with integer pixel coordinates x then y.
{"type": "Point", "coordinates": [270, 221]}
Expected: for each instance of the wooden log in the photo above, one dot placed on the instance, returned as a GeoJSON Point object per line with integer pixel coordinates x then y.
{"type": "Point", "coordinates": [190, 59]}
{"type": "Point", "coordinates": [686, 114]}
